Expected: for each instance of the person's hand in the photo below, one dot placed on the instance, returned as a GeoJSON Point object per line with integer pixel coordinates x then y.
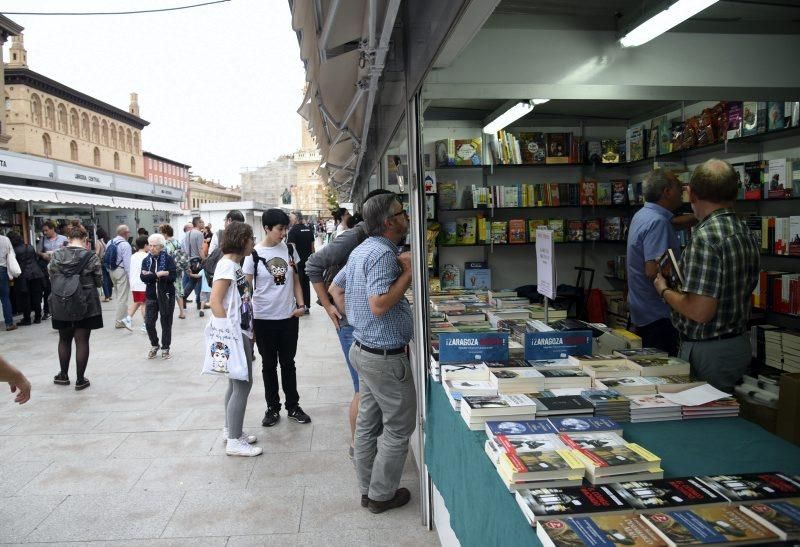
{"type": "Point", "coordinates": [334, 314]}
{"type": "Point", "coordinates": [660, 283]}
{"type": "Point", "coordinates": [23, 389]}
{"type": "Point", "coordinates": [299, 312]}
{"type": "Point", "coordinates": [162, 273]}
{"type": "Point", "coordinates": [405, 260]}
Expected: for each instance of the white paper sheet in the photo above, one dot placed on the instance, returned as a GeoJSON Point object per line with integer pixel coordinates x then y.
{"type": "Point", "coordinates": [695, 396]}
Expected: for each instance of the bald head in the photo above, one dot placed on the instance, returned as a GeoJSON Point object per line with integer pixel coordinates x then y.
{"type": "Point", "coordinates": [123, 230]}
{"type": "Point", "coordinates": [714, 181]}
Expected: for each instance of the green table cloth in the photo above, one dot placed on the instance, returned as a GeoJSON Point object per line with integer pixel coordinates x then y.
{"type": "Point", "coordinates": [483, 513]}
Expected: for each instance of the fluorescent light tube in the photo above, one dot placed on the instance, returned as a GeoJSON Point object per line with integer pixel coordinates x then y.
{"type": "Point", "coordinates": [660, 23]}
{"type": "Point", "coordinates": [539, 101]}
{"type": "Point", "coordinates": [509, 116]}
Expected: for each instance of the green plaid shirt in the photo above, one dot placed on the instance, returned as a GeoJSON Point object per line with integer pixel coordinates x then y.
{"type": "Point", "coordinates": [721, 261]}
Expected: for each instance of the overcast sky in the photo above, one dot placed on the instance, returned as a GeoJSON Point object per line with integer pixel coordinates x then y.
{"type": "Point", "coordinates": [220, 84]}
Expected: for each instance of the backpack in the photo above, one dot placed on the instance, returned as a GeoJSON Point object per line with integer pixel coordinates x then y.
{"type": "Point", "coordinates": [210, 263]}
{"type": "Point", "coordinates": [181, 260]}
{"type": "Point", "coordinates": [257, 259]}
{"type": "Point", "coordinates": [330, 272]}
{"type": "Point", "coordinates": [110, 257]}
{"type": "Point", "coordinates": [66, 301]}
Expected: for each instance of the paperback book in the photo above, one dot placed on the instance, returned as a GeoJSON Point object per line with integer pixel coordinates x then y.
{"type": "Point", "coordinates": [598, 530]}
{"type": "Point", "coordinates": [709, 525]}
{"type": "Point", "coordinates": [543, 504]}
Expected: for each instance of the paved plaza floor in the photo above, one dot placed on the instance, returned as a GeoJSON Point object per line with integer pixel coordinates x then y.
{"type": "Point", "coordinates": [138, 457]}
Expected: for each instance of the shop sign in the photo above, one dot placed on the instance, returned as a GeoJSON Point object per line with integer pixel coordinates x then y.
{"type": "Point", "coordinates": [167, 192]}
{"type": "Point", "coordinates": [459, 347]}
{"type": "Point", "coordinates": [133, 186]}
{"type": "Point", "coordinates": [557, 344]}
{"type": "Point", "coordinates": [83, 177]}
{"type": "Point", "coordinates": [11, 164]}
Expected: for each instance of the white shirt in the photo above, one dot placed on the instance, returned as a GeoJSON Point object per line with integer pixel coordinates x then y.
{"type": "Point", "coordinates": [136, 269]}
{"type": "Point", "coordinates": [237, 299]}
{"type": "Point", "coordinates": [214, 243]}
{"type": "Point", "coordinates": [273, 296]}
{"type": "Point", "coordinates": [5, 250]}
{"type": "Point", "coordinates": [340, 229]}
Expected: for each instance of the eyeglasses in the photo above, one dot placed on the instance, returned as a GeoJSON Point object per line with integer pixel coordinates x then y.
{"type": "Point", "coordinates": [401, 213]}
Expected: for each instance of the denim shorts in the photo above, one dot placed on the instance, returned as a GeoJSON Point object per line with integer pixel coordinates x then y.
{"type": "Point", "coordinates": [346, 340]}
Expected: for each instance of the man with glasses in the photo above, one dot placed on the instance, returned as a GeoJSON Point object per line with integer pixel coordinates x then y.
{"type": "Point", "coordinates": [371, 288]}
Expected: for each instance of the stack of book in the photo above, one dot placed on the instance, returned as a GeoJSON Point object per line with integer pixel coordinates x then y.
{"type": "Point", "coordinates": [476, 410]}
{"type": "Point", "coordinates": [763, 390]}
{"type": "Point", "coordinates": [609, 458]}
{"type": "Point", "coordinates": [653, 408]}
{"type": "Point", "coordinates": [631, 385]}
{"type": "Point", "coordinates": [562, 377]}
{"type": "Point", "coordinates": [609, 403]}
{"type": "Point", "coordinates": [721, 408]}
{"type": "Point", "coordinates": [562, 405]}
{"type": "Point", "coordinates": [634, 353]}
{"type": "Point", "coordinates": [464, 371]}
{"type": "Point", "coordinates": [456, 389]}
{"type": "Point", "coordinates": [551, 364]}
{"type": "Point", "coordinates": [534, 461]}
{"type": "Point", "coordinates": [660, 366]}
{"type": "Point", "coordinates": [508, 381]}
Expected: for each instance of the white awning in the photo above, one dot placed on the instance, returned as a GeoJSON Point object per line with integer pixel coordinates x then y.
{"type": "Point", "coordinates": [129, 203]}
{"type": "Point", "coordinates": [80, 198]}
{"type": "Point", "coordinates": [10, 192]}
{"type": "Point", "coordinates": [167, 207]}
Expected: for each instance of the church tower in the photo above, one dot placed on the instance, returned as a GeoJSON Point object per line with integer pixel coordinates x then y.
{"type": "Point", "coordinates": [17, 56]}
{"type": "Point", "coordinates": [134, 107]}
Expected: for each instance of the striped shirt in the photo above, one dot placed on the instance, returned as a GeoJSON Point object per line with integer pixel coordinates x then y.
{"type": "Point", "coordinates": [721, 262]}
{"type": "Point", "coordinates": [370, 271]}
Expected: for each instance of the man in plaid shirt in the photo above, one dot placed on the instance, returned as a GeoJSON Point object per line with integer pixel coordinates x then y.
{"type": "Point", "coordinates": [720, 268]}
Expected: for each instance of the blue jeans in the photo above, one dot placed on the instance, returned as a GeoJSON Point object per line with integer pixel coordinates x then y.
{"type": "Point", "coordinates": [108, 285]}
{"type": "Point", "coordinates": [5, 297]}
{"type": "Point", "coordinates": [192, 284]}
{"type": "Point", "coordinates": [346, 340]}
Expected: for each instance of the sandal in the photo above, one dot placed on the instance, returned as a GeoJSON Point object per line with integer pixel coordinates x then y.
{"type": "Point", "coordinates": [181, 317]}
{"type": "Point", "coordinates": [61, 379]}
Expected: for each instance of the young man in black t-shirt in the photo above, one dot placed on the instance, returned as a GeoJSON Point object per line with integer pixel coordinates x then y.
{"type": "Point", "coordinates": [302, 235]}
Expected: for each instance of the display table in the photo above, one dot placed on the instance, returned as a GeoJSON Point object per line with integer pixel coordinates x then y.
{"type": "Point", "coordinates": [483, 513]}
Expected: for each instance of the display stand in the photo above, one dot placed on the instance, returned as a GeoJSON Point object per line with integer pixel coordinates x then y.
{"type": "Point", "coordinates": [545, 268]}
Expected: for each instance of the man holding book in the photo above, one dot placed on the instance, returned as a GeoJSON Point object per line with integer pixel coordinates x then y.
{"type": "Point", "coordinates": [720, 270]}
{"type": "Point", "coordinates": [373, 284]}
{"type": "Point", "coordinates": [650, 234]}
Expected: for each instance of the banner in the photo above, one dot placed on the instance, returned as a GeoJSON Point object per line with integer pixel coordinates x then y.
{"type": "Point", "coordinates": [557, 344]}
{"type": "Point", "coordinates": [459, 347]}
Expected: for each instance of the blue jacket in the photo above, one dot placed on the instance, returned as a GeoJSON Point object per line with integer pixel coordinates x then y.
{"type": "Point", "coordinates": [151, 265]}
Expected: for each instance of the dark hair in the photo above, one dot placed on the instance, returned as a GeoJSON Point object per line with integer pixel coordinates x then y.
{"type": "Point", "coordinates": [74, 230]}
{"type": "Point", "coordinates": [714, 181]}
{"type": "Point", "coordinates": [377, 192]}
{"type": "Point", "coordinates": [298, 215]}
{"type": "Point", "coordinates": [236, 237]}
{"type": "Point", "coordinates": [339, 214]}
{"type": "Point", "coordinates": [14, 238]}
{"type": "Point", "coordinates": [273, 217]}
{"type": "Point", "coordinates": [167, 230]}
{"type": "Point", "coordinates": [143, 232]}
{"type": "Point", "coordinates": [141, 242]}
{"type": "Point", "coordinates": [355, 219]}
{"type": "Point", "coordinates": [196, 221]}
{"type": "Point", "coordinates": [235, 215]}
{"type": "Point", "coordinates": [101, 233]}
{"type": "Point", "coordinates": [50, 224]}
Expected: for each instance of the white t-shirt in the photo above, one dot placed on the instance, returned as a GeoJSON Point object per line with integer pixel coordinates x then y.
{"type": "Point", "coordinates": [136, 268]}
{"type": "Point", "coordinates": [237, 300]}
{"type": "Point", "coordinates": [340, 229]}
{"type": "Point", "coordinates": [273, 296]}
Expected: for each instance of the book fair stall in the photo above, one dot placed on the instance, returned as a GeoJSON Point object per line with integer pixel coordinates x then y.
{"type": "Point", "coordinates": [518, 135]}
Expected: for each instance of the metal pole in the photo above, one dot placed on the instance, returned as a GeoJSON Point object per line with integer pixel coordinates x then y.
{"type": "Point", "coordinates": [546, 311]}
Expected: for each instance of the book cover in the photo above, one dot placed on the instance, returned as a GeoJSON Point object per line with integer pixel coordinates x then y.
{"type": "Point", "coordinates": [670, 269]}
{"type": "Point", "coordinates": [762, 117]}
{"type": "Point", "coordinates": [749, 118]}
{"type": "Point", "coordinates": [665, 136]}
{"type": "Point", "coordinates": [511, 428]}
{"type": "Point", "coordinates": [449, 233]}
{"type": "Point", "coordinates": [467, 151]}
{"type": "Point", "coordinates": [598, 531]}
{"type": "Point", "coordinates": [604, 193]}
{"type": "Point", "coordinates": [430, 182]}
{"type": "Point", "coordinates": [533, 225]}
{"type": "Point", "coordinates": [574, 230]}
{"type": "Point", "coordinates": [775, 115]}
{"type": "Point", "coordinates": [499, 232]}
{"type": "Point", "coordinates": [631, 353]}
{"type": "Point", "coordinates": [447, 195]}
{"type": "Point", "coordinates": [754, 172]}
{"type": "Point", "coordinates": [708, 524]}
{"type": "Point", "coordinates": [619, 192]}
{"type": "Point", "coordinates": [612, 229]}
{"type": "Point", "coordinates": [734, 115]}
{"type": "Point", "coordinates": [553, 195]}
{"type": "Point", "coordinates": [557, 225]}
{"type": "Point", "coordinates": [562, 404]}
{"type": "Point", "coordinates": [445, 153]}
{"type": "Point", "coordinates": [667, 493]}
{"type": "Point", "coordinates": [531, 465]}
{"type": "Point", "coordinates": [592, 229]}
{"type": "Point", "coordinates": [653, 137]}
{"type": "Point", "coordinates": [588, 192]}
{"type": "Point", "coordinates": [585, 424]}
{"type": "Point", "coordinates": [780, 517]}
{"type": "Point", "coordinates": [754, 486]}
{"type": "Point", "coordinates": [635, 143]}
{"type": "Point", "coordinates": [558, 147]}
{"type": "Point", "coordinates": [610, 148]}
{"type": "Point", "coordinates": [594, 151]}
{"type": "Point", "coordinates": [450, 277]}
{"type": "Point", "coordinates": [532, 148]}
{"type": "Point", "coordinates": [778, 183]}
{"type": "Point", "coordinates": [516, 231]}
{"type": "Point", "coordinates": [544, 503]}
{"type": "Point", "coordinates": [466, 229]}
{"type": "Point", "coordinates": [477, 275]}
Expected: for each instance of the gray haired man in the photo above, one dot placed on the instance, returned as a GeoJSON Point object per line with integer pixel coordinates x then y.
{"type": "Point", "coordinates": [373, 284]}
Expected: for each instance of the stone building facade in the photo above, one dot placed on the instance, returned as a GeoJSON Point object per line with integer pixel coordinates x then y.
{"type": "Point", "coordinates": [205, 191]}
{"type": "Point", "coordinates": [161, 170]}
{"type": "Point", "coordinates": [46, 118]}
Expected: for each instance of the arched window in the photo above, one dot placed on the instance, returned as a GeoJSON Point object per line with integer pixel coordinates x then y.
{"type": "Point", "coordinates": [121, 137]}
{"type": "Point", "coordinates": [49, 114]}
{"type": "Point", "coordinates": [74, 124]}
{"type": "Point", "coordinates": [46, 145]}
{"type": "Point", "coordinates": [73, 150]}
{"type": "Point", "coordinates": [104, 133]}
{"type": "Point", "coordinates": [133, 165]}
{"type": "Point", "coordinates": [36, 109]}
{"type": "Point", "coordinates": [129, 141]}
{"type": "Point", "coordinates": [95, 129]}
{"type": "Point", "coordinates": [62, 118]}
{"type": "Point", "coordinates": [113, 129]}
{"type": "Point", "coordinates": [116, 159]}
{"type": "Point", "coordinates": [136, 143]}
{"type": "Point", "coordinates": [85, 126]}
{"type": "Point", "coordinates": [97, 156]}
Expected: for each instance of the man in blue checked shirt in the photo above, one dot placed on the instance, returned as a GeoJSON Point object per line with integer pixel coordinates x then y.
{"type": "Point", "coordinates": [372, 285]}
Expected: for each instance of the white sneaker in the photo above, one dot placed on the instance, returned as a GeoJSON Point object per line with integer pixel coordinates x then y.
{"type": "Point", "coordinates": [143, 329]}
{"type": "Point", "coordinates": [127, 323]}
{"type": "Point", "coordinates": [249, 439]}
{"type": "Point", "coordinates": [238, 447]}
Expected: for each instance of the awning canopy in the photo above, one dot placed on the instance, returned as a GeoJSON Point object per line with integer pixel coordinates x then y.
{"type": "Point", "coordinates": [128, 203]}
{"type": "Point", "coordinates": [167, 207]}
{"type": "Point", "coordinates": [343, 44]}
{"type": "Point", "coordinates": [10, 192]}
{"type": "Point", "coordinates": [80, 198]}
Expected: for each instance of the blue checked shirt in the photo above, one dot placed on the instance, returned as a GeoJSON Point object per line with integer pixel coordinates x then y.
{"type": "Point", "coordinates": [370, 271]}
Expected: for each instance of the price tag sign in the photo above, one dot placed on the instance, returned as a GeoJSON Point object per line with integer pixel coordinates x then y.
{"type": "Point", "coordinates": [545, 263]}
{"type": "Point", "coordinates": [458, 347]}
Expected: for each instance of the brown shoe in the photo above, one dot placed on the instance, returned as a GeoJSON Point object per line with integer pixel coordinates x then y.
{"type": "Point", "coordinates": [401, 497]}
{"type": "Point", "coordinates": [11, 327]}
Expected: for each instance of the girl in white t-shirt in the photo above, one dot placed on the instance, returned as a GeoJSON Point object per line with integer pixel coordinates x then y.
{"type": "Point", "coordinates": [277, 305]}
{"type": "Point", "coordinates": [134, 279]}
{"type": "Point", "coordinates": [231, 298]}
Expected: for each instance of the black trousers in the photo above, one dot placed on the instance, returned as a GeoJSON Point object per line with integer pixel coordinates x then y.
{"type": "Point", "coordinates": [305, 283]}
{"type": "Point", "coordinates": [46, 294]}
{"type": "Point", "coordinates": [164, 306]}
{"type": "Point", "coordinates": [277, 341]}
{"type": "Point", "coordinates": [31, 300]}
{"type": "Point", "coordinates": [660, 334]}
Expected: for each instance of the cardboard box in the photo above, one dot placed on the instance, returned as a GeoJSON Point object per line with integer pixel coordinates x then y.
{"type": "Point", "coordinates": [788, 423]}
{"type": "Point", "coordinates": [757, 413]}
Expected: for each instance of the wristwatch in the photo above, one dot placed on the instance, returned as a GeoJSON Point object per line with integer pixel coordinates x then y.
{"type": "Point", "coordinates": [302, 307]}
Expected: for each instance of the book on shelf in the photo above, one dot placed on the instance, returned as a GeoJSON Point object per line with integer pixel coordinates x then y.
{"type": "Point", "coordinates": [575, 230]}
{"type": "Point", "coordinates": [558, 148]}
{"type": "Point", "coordinates": [592, 229]}
{"type": "Point", "coordinates": [533, 225]}
{"type": "Point", "coordinates": [610, 150]}
{"type": "Point", "coordinates": [499, 232]}
{"type": "Point", "coordinates": [775, 115]}
{"type": "Point", "coordinates": [448, 194]}
{"type": "Point", "coordinates": [465, 231]}
{"type": "Point", "coordinates": [516, 231]}
{"type": "Point", "coordinates": [708, 525]}
{"type": "Point", "coordinates": [635, 143]}
{"type": "Point", "coordinates": [612, 229]}
{"type": "Point", "coordinates": [653, 137]}
{"type": "Point", "coordinates": [670, 269]}
{"type": "Point", "coordinates": [754, 173]}
{"type": "Point", "coordinates": [467, 152]}
{"type": "Point", "coordinates": [450, 277]}
{"type": "Point", "coordinates": [734, 117]}
{"type": "Point", "coordinates": [782, 179]}
{"type": "Point", "coordinates": [604, 193]}
{"type": "Point", "coordinates": [779, 517]}
{"type": "Point", "coordinates": [449, 233]}
{"type": "Point", "coordinates": [607, 454]}
{"type": "Point", "coordinates": [546, 504]}
{"type": "Point", "coordinates": [532, 147]}
{"type": "Point", "coordinates": [557, 226]}
{"type": "Point", "coordinates": [588, 192]}
{"type": "Point", "coordinates": [477, 275]}
{"type": "Point", "coordinates": [445, 152]}
{"type": "Point", "coordinates": [594, 151]}
{"type": "Point", "coordinates": [619, 192]}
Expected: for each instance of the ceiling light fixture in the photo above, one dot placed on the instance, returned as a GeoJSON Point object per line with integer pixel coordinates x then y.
{"type": "Point", "coordinates": [539, 101]}
{"type": "Point", "coordinates": [511, 115]}
{"type": "Point", "coordinates": [660, 23]}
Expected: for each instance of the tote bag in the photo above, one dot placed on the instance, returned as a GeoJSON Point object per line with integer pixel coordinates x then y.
{"type": "Point", "coordinates": [14, 270]}
{"type": "Point", "coordinates": [224, 350]}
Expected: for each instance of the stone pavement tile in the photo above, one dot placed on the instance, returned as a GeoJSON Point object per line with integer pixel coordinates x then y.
{"type": "Point", "coordinates": [122, 402]}
{"type": "Point", "coordinates": [88, 477]}
{"type": "Point", "coordinates": [340, 538]}
{"type": "Point", "coordinates": [409, 536]}
{"type": "Point", "coordinates": [8, 421]}
{"type": "Point", "coordinates": [332, 436]}
{"type": "Point", "coordinates": [176, 542]}
{"type": "Point", "coordinates": [166, 444]}
{"type": "Point", "coordinates": [210, 418]}
{"type": "Point", "coordinates": [14, 474]}
{"type": "Point", "coordinates": [203, 473]}
{"type": "Point", "coordinates": [142, 421]}
{"type": "Point", "coordinates": [10, 445]}
{"type": "Point", "coordinates": [19, 516]}
{"type": "Point", "coordinates": [92, 517]}
{"type": "Point", "coordinates": [327, 413]}
{"type": "Point", "coordinates": [187, 401]}
{"type": "Point", "coordinates": [302, 469]}
{"type": "Point", "coordinates": [339, 508]}
{"type": "Point", "coordinates": [318, 379]}
{"type": "Point", "coordinates": [68, 447]}
{"type": "Point", "coordinates": [335, 394]}
{"type": "Point", "coordinates": [282, 437]}
{"type": "Point", "coordinates": [59, 424]}
{"type": "Point", "coordinates": [207, 513]}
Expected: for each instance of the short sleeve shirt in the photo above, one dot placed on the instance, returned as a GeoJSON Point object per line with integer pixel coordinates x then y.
{"type": "Point", "coordinates": [193, 244]}
{"type": "Point", "coordinates": [237, 301]}
{"type": "Point", "coordinates": [50, 245]}
{"type": "Point", "coordinates": [274, 285]}
{"type": "Point", "coordinates": [302, 235]}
